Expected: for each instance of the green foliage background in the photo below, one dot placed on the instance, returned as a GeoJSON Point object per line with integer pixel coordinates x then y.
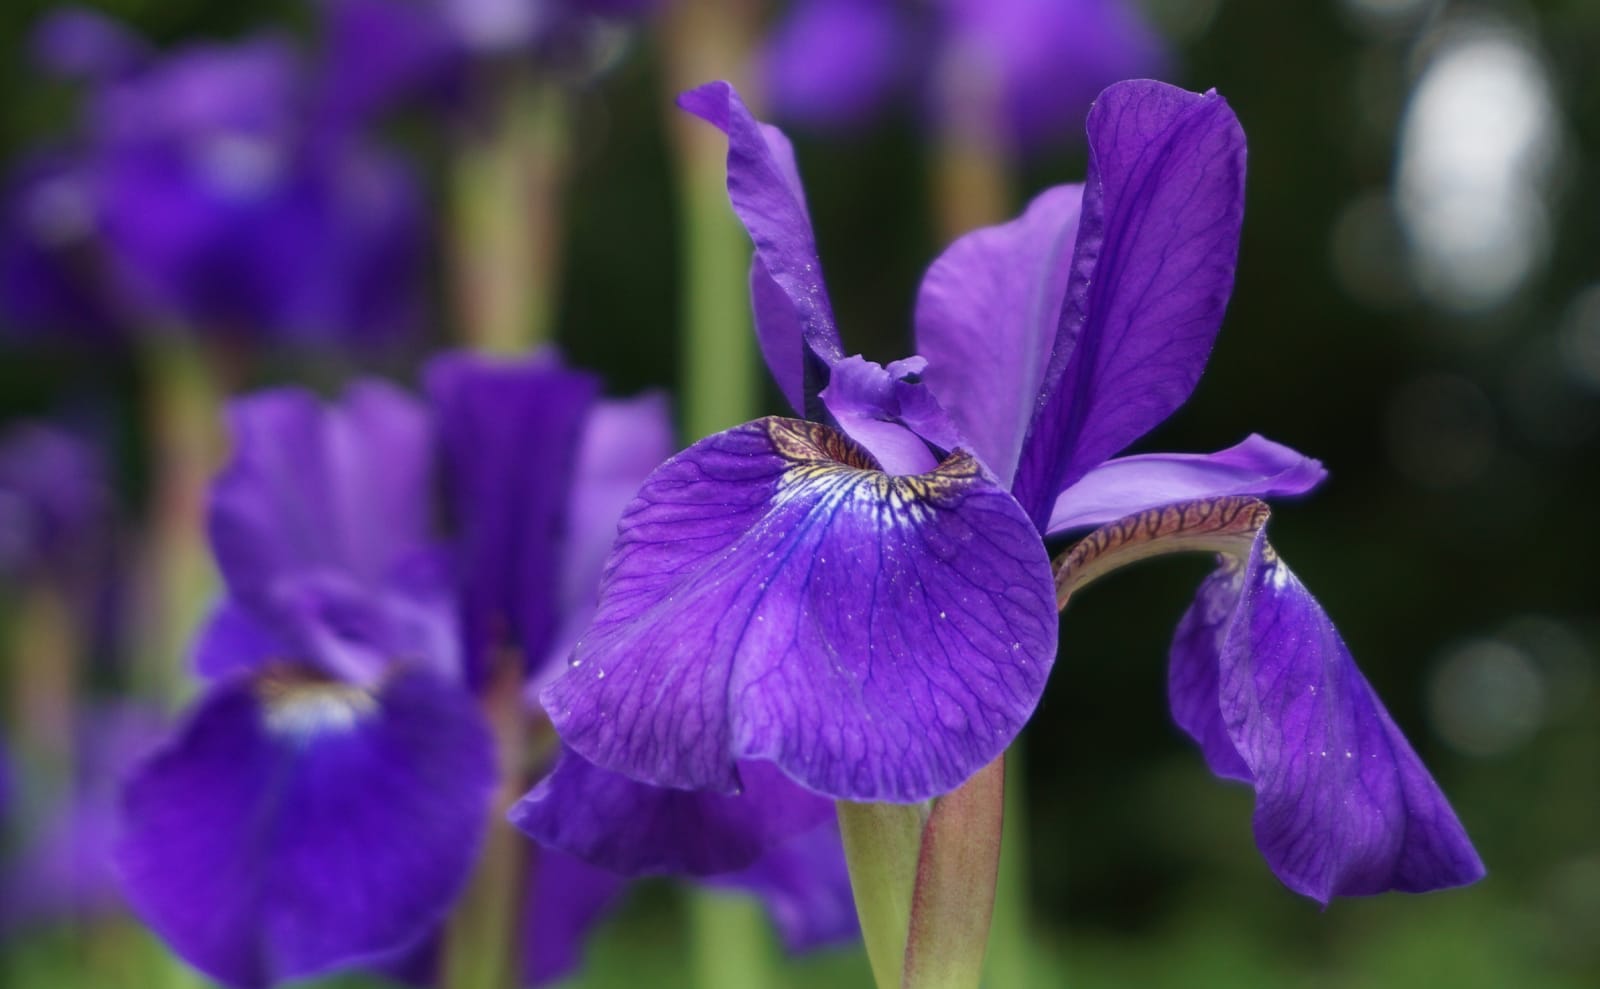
{"type": "Point", "coordinates": [1143, 872]}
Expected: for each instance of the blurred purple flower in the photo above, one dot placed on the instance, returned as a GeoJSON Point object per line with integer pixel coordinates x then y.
{"type": "Point", "coordinates": [208, 189]}
{"type": "Point", "coordinates": [866, 602]}
{"type": "Point", "coordinates": [54, 500]}
{"type": "Point", "coordinates": [382, 52]}
{"type": "Point", "coordinates": [1029, 68]}
{"type": "Point", "coordinates": [63, 867]}
{"type": "Point", "coordinates": [324, 802]}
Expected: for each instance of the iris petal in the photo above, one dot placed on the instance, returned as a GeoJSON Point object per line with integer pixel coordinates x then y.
{"type": "Point", "coordinates": [297, 826]}
{"type": "Point", "coordinates": [805, 886]}
{"type": "Point", "coordinates": [511, 435]}
{"type": "Point", "coordinates": [1344, 806]}
{"type": "Point", "coordinates": [764, 186]}
{"type": "Point", "coordinates": [986, 320]}
{"type": "Point", "coordinates": [773, 595]}
{"type": "Point", "coordinates": [1151, 274]}
{"type": "Point", "coordinates": [635, 829]}
{"type": "Point", "coordinates": [315, 487]}
{"type": "Point", "coordinates": [1128, 485]}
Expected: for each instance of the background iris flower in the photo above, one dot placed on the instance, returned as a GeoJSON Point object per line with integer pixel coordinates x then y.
{"type": "Point", "coordinates": [211, 189]}
{"type": "Point", "coordinates": [325, 802]}
{"type": "Point", "coordinates": [1028, 67]}
{"type": "Point", "coordinates": [866, 601]}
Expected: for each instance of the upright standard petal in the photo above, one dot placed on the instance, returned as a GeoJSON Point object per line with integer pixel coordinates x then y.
{"type": "Point", "coordinates": [297, 825]}
{"type": "Point", "coordinates": [1262, 680]}
{"type": "Point", "coordinates": [511, 435]}
{"type": "Point", "coordinates": [320, 526]}
{"type": "Point", "coordinates": [986, 321]}
{"type": "Point", "coordinates": [1128, 485]}
{"type": "Point", "coordinates": [764, 186]}
{"type": "Point", "coordinates": [1151, 274]}
{"type": "Point", "coordinates": [774, 596]}
{"type": "Point", "coordinates": [633, 828]}
{"type": "Point", "coordinates": [322, 487]}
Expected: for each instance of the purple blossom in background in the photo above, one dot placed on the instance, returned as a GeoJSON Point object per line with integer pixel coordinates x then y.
{"type": "Point", "coordinates": [54, 500]}
{"type": "Point", "coordinates": [324, 802]}
{"type": "Point", "coordinates": [382, 51]}
{"type": "Point", "coordinates": [1029, 68]}
{"type": "Point", "coordinates": [62, 868]}
{"type": "Point", "coordinates": [209, 189]}
{"type": "Point", "coordinates": [866, 603]}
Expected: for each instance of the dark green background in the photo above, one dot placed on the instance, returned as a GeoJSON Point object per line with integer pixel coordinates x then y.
{"type": "Point", "coordinates": [1143, 870]}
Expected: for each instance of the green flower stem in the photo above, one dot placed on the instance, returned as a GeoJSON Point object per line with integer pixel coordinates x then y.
{"type": "Point", "coordinates": [1010, 964]}
{"type": "Point", "coordinates": [972, 176]}
{"type": "Point", "coordinates": [186, 385]}
{"type": "Point", "coordinates": [953, 901]}
{"type": "Point", "coordinates": [507, 188]}
{"type": "Point", "coordinates": [883, 844]}
{"type": "Point", "coordinates": [731, 942]}
{"type": "Point", "coordinates": [719, 383]}
{"type": "Point", "coordinates": [482, 943]}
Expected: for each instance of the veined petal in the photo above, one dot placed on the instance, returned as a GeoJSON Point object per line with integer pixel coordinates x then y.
{"type": "Point", "coordinates": [297, 825]}
{"type": "Point", "coordinates": [764, 186]}
{"type": "Point", "coordinates": [986, 321]}
{"type": "Point", "coordinates": [774, 596]}
{"type": "Point", "coordinates": [805, 886]}
{"type": "Point", "coordinates": [636, 829]}
{"type": "Point", "coordinates": [1129, 485]}
{"type": "Point", "coordinates": [1343, 805]}
{"type": "Point", "coordinates": [511, 434]}
{"type": "Point", "coordinates": [1151, 274]}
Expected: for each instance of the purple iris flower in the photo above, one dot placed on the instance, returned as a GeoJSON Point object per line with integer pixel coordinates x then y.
{"type": "Point", "coordinates": [382, 51]}
{"type": "Point", "coordinates": [54, 500]}
{"type": "Point", "coordinates": [324, 802]}
{"type": "Point", "coordinates": [63, 866]}
{"type": "Point", "coordinates": [1028, 67]}
{"type": "Point", "coordinates": [207, 189]}
{"type": "Point", "coordinates": [864, 601]}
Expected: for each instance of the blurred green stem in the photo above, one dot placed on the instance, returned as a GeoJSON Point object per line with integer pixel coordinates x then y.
{"type": "Point", "coordinates": [507, 188]}
{"type": "Point", "coordinates": [184, 401]}
{"type": "Point", "coordinates": [718, 382]}
{"type": "Point", "coordinates": [1009, 964]}
{"type": "Point", "coordinates": [972, 184]}
{"type": "Point", "coordinates": [731, 942]}
{"type": "Point", "coordinates": [483, 944]}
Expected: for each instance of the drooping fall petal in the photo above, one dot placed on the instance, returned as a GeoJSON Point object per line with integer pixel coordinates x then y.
{"type": "Point", "coordinates": [774, 596]}
{"type": "Point", "coordinates": [1263, 681]}
{"type": "Point", "coordinates": [296, 825]}
{"type": "Point", "coordinates": [636, 829]}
